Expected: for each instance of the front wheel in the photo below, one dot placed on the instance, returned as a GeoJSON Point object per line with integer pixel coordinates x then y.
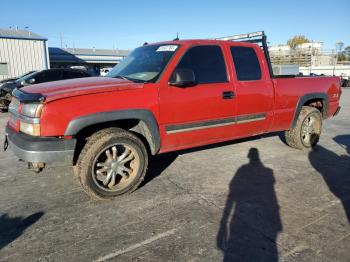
{"type": "Point", "coordinates": [112, 162]}
{"type": "Point", "coordinates": [307, 130]}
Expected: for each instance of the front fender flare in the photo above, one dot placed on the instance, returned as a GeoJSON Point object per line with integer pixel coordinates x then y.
{"type": "Point", "coordinates": [144, 115]}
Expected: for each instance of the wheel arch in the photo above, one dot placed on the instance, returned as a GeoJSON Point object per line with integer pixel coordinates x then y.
{"type": "Point", "coordinates": [139, 121]}
{"type": "Point", "coordinates": [307, 99]}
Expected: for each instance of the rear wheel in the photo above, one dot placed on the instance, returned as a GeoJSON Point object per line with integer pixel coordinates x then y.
{"type": "Point", "coordinates": [112, 162]}
{"type": "Point", "coordinates": [307, 130]}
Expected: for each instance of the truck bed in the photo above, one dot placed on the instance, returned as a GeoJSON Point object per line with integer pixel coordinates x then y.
{"type": "Point", "coordinates": [289, 91]}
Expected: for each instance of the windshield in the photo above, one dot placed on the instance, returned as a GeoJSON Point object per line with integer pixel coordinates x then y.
{"type": "Point", "coordinates": [26, 77]}
{"type": "Point", "coordinates": [144, 64]}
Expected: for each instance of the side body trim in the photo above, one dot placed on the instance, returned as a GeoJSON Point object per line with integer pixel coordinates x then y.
{"type": "Point", "coordinates": [250, 118]}
{"type": "Point", "coordinates": [171, 129]}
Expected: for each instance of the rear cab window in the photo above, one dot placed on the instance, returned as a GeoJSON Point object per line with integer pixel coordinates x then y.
{"type": "Point", "coordinates": [246, 63]}
{"type": "Point", "coordinates": [207, 62]}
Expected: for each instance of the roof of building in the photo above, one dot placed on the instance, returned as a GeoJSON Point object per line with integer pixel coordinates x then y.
{"type": "Point", "coordinates": [84, 55]}
{"type": "Point", "coordinates": [88, 51]}
{"type": "Point", "coordinates": [20, 34]}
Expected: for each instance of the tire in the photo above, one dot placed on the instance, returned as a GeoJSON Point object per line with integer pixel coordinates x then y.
{"type": "Point", "coordinates": [109, 174]}
{"type": "Point", "coordinates": [307, 130]}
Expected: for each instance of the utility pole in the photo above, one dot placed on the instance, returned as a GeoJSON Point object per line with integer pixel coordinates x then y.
{"type": "Point", "coordinates": [338, 46]}
{"type": "Point", "coordinates": [312, 50]}
{"type": "Point", "coordinates": [61, 40]}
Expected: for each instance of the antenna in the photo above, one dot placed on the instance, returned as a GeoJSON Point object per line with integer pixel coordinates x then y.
{"type": "Point", "coordinates": [177, 37]}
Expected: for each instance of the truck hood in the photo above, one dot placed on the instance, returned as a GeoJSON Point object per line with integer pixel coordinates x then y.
{"type": "Point", "coordinates": [80, 86]}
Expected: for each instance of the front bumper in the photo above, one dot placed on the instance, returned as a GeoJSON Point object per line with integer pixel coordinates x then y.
{"type": "Point", "coordinates": [49, 150]}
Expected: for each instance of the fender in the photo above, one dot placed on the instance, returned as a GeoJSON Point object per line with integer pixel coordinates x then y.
{"type": "Point", "coordinates": [307, 97]}
{"type": "Point", "coordinates": [146, 117]}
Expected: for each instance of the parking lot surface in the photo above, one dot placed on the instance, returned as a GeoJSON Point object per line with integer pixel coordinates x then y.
{"type": "Point", "coordinates": [250, 200]}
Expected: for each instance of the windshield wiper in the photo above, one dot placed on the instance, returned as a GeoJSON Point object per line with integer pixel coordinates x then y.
{"type": "Point", "coordinates": [122, 77]}
{"type": "Point", "coordinates": [130, 79]}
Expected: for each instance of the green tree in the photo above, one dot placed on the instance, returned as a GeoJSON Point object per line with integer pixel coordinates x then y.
{"type": "Point", "coordinates": [347, 52]}
{"type": "Point", "coordinates": [297, 40]}
{"type": "Point", "coordinates": [341, 56]}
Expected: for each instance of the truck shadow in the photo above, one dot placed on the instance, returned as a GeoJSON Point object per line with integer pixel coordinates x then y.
{"type": "Point", "coordinates": [335, 170]}
{"type": "Point", "coordinates": [344, 141]}
{"type": "Point", "coordinates": [251, 221]}
{"type": "Point", "coordinates": [12, 228]}
{"type": "Point", "coordinates": [159, 163]}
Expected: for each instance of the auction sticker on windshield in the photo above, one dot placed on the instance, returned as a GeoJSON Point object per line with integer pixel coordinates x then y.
{"type": "Point", "coordinates": [168, 48]}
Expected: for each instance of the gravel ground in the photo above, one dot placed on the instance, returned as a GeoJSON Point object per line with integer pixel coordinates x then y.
{"type": "Point", "coordinates": [250, 200]}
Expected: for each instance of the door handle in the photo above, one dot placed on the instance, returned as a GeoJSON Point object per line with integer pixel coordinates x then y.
{"type": "Point", "coordinates": [228, 95]}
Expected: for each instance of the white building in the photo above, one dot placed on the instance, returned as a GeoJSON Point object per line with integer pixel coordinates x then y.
{"type": "Point", "coordinates": [315, 46]}
{"type": "Point", "coordinates": [21, 51]}
{"type": "Point", "coordinates": [303, 55]}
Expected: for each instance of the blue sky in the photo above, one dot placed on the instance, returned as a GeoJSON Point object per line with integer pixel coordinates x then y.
{"type": "Point", "coordinates": [127, 24]}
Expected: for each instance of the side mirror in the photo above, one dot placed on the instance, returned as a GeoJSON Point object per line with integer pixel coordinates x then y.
{"type": "Point", "coordinates": [28, 82]}
{"type": "Point", "coordinates": [183, 78]}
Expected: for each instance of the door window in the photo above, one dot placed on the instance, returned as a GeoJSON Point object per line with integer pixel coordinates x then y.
{"type": "Point", "coordinates": [207, 63]}
{"type": "Point", "coordinates": [246, 63]}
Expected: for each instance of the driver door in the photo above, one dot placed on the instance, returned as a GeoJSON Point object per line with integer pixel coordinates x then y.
{"type": "Point", "coordinates": [200, 114]}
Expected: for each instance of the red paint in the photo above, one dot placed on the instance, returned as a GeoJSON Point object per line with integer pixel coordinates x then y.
{"type": "Point", "coordinates": [278, 98]}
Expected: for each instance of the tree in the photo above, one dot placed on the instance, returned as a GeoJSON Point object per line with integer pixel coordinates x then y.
{"type": "Point", "coordinates": [347, 52]}
{"type": "Point", "coordinates": [341, 56]}
{"type": "Point", "coordinates": [297, 40]}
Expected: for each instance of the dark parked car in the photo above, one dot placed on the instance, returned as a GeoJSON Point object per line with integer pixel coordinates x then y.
{"type": "Point", "coordinates": [36, 77]}
{"type": "Point", "coordinates": [12, 79]}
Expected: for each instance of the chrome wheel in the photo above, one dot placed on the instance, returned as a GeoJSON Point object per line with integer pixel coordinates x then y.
{"type": "Point", "coordinates": [310, 130]}
{"type": "Point", "coordinates": [115, 167]}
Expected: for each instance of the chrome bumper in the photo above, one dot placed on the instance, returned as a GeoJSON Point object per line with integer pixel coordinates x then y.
{"type": "Point", "coordinates": [52, 151]}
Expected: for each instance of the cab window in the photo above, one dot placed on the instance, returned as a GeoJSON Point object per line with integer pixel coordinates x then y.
{"type": "Point", "coordinates": [207, 62]}
{"type": "Point", "coordinates": [246, 63]}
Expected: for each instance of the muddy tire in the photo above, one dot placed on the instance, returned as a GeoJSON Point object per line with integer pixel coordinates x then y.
{"type": "Point", "coordinates": [307, 130]}
{"type": "Point", "coordinates": [113, 162]}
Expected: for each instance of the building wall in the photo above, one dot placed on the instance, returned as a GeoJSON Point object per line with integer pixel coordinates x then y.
{"type": "Point", "coordinates": [20, 56]}
{"type": "Point", "coordinates": [337, 70]}
{"type": "Point", "coordinates": [302, 55]}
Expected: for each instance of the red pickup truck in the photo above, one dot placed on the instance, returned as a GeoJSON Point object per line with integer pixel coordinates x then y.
{"type": "Point", "coordinates": [164, 97]}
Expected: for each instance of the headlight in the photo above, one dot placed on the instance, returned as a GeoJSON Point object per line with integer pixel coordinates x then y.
{"type": "Point", "coordinates": [32, 110]}
{"type": "Point", "coordinates": [29, 118]}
